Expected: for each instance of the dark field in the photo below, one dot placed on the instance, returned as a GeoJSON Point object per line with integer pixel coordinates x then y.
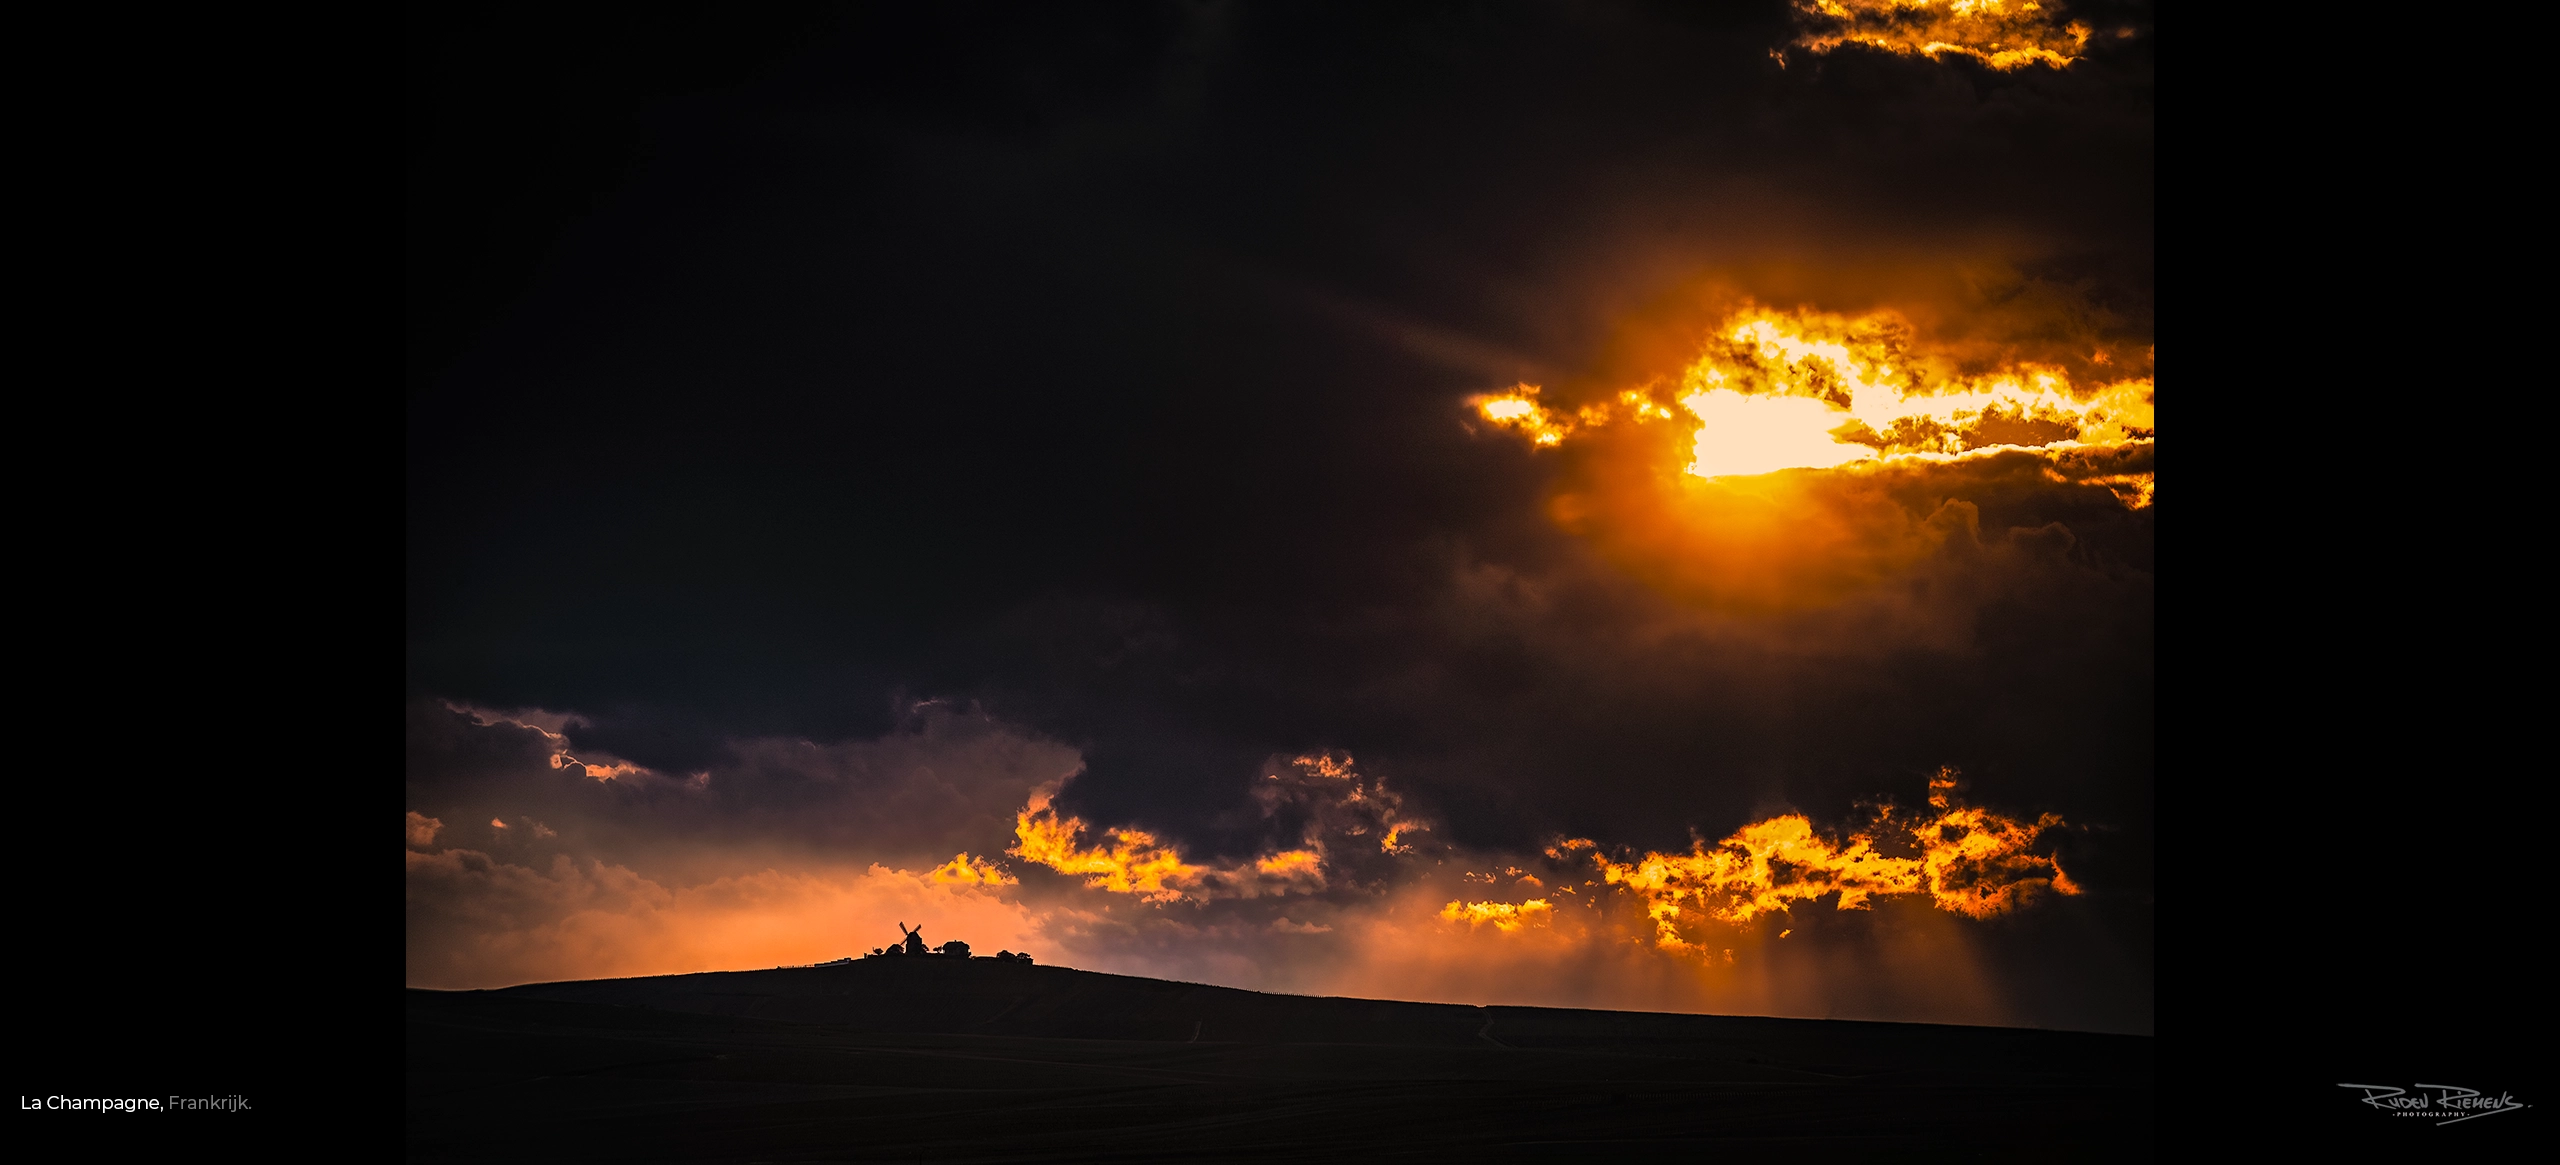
{"type": "Point", "coordinates": [938, 1060]}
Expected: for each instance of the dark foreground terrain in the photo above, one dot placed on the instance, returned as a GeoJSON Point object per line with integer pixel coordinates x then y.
{"type": "Point", "coordinates": [979, 1060]}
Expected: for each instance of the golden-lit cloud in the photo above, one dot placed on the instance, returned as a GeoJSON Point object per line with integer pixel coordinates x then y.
{"type": "Point", "coordinates": [1819, 390]}
{"type": "Point", "coordinates": [1519, 409]}
{"type": "Point", "coordinates": [1343, 810]}
{"type": "Point", "coordinates": [1964, 859]}
{"type": "Point", "coordinates": [1802, 456]}
{"type": "Point", "coordinates": [1300, 865]}
{"type": "Point", "coordinates": [1503, 916]}
{"type": "Point", "coordinates": [602, 770]}
{"type": "Point", "coordinates": [1346, 894]}
{"type": "Point", "coordinates": [1131, 862]}
{"type": "Point", "coordinates": [1710, 928]}
{"type": "Point", "coordinates": [965, 870]}
{"type": "Point", "coordinates": [2003, 34]}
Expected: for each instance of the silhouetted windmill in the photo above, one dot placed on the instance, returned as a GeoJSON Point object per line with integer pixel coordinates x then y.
{"type": "Point", "coordinates": [915, 938]}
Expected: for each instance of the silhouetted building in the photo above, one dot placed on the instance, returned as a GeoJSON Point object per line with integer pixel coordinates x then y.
{"type": "Point", "coordinates": [914, 945]}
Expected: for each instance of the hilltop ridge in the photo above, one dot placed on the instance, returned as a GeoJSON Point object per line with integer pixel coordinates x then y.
{"type": "Point", "coordinates": [988, 997]}
{"type": "Point", "coordinates": [997, 1060]}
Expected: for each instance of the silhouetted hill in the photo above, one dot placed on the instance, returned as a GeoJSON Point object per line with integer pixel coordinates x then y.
{"type": "Point", "coordinates": [982, 1060]}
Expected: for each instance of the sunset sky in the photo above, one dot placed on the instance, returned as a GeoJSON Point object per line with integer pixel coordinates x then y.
{"type": "Point", "coordinates": [1595, 505]}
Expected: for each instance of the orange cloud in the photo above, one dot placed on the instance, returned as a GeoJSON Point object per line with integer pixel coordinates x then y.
{"type": "Point", "coordinates": [599, 769]}
{"type": "Point", "coordinates": [1802, 457]}
{"type": "Point", "coordinates": [1716, 928]}
{"type": "Point", "coordinates": [965, 870]}
{"type": "Point", "coordinates": [1965, 859]}
{"type": "Point", "coordinates": [2004, 34]}
{"type": "Point", "coordinates": [1818, 390]}
{"type": "Point", "coordinates": [1505, 916]}
{"type": "Point", "coordinates": [1339, 803]}
{"type": "Point", "coordinates": [1132, 864]}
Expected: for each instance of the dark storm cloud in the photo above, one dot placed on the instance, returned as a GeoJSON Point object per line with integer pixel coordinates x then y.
{"type": "Point", "coordinates": [939, 782]}
{"type": "Point", "coordinates": [1105, 370]}
{"type": "Point", "coordinates": [1522, 697]}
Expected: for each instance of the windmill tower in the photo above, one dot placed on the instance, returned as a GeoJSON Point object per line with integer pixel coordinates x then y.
{"type": "Point", "coordinates": [915, 938]}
